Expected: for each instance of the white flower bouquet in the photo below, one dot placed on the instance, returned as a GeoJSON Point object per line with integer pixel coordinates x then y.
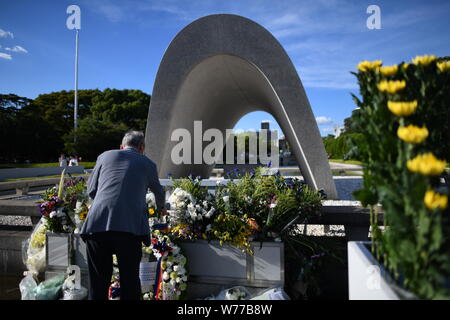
{"type": "Point", "coordinates": [34, 249]}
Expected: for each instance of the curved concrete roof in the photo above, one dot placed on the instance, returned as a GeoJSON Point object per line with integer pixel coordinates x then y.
{"type": "Point", "coordinates": [219, 68]}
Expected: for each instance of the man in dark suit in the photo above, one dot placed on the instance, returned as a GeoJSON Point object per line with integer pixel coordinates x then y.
{"type": "Point", "coordinates": [117, 222]}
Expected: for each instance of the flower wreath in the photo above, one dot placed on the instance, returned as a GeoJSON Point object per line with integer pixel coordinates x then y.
{"type": "Point", "coordinates": [171, 273]}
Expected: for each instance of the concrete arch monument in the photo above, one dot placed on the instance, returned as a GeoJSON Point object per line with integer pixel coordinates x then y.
{"type": "Point", "coordinates": [219, 68]}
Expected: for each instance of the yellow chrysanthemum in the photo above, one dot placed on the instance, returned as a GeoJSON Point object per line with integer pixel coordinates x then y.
{"type": "Point", "coordinates": [444, 66]}
{"type": "Point", "coordinates": [38, 241]}
{"type": "Point", "coordinates": [434, 200]}
{"type": "Point", "coordinates": [412, 134]}
{"type": "Point", "coordinates": [388, 70]}
{"type": "Point", "coordinates": [391, 86]}
{"type": "Point", "coordinates": [402, 108]}
{"type": "Point", "coordinates": [405, 65]}
{"type": "Point", "coordinates": [426, 164]}
{"type": "Point", "coordinates": [151, 211]}
{"type": "Point", "coordinates": [423, 60]}
{"type": "Point", "coordinates": [369, 65]}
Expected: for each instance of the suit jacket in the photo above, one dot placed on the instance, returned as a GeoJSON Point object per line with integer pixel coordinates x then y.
{"type": "Point", "coordinates": [118, 184]}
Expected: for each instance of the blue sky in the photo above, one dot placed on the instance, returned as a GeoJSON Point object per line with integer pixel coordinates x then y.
{"type": "Point", "coordinates": [122, 43]}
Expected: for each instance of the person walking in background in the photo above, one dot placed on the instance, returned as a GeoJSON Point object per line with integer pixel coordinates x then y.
{"type": "Point", "coordinates": [117, 222]}
{"type": "Point", "coordinates": [73, 161]}
{"type": "Point", "coordinates": [62, 160]}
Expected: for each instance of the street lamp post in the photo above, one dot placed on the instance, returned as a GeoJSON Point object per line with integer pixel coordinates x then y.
{"type": "Point", "coordinates": [74, 22]}
{"type": "Point", "coordinates": [75, 109]}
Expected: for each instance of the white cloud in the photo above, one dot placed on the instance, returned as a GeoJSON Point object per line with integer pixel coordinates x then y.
{"type": "Point", "coordinates": [6, 34]}
{"type": "Point", "coordinates": [112, 12]}
{"type": "Point", "coordinates": [328, 130]}
{"type": "Point", "coordinates": [5, 56]}
{"type": "Point", "coordinates": [284, 20]}
{"type": "Point", "coordinates": [17, 49]}
{"type": "Point", "coordinates": [324, 120]}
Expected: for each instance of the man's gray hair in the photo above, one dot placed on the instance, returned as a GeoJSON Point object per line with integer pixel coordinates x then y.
{"type": "Point", "coordinates": [133, 139]}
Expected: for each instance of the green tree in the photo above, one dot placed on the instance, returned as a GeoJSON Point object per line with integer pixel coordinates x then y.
{"type": "Point", "coordinates": [41, 129]}
{"type": "Point", "coordinates": [113, 112]}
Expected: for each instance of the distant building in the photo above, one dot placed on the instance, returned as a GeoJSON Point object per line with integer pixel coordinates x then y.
{"type": "Point", "coordinates": [266, 125]}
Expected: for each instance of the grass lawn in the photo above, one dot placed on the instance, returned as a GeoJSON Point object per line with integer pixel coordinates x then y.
{"type": "Point", "coordinates": [86, 165]}
{"type": "Point", "coordinates": [46, 177]}
{"type": "Point", "coordinates": [359, 163]}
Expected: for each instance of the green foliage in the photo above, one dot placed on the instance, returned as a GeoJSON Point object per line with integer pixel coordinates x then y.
{"type": "Point", "coordinates": [113, 112]}
{"type": "Point", "coordinates": [40, 129]}
{"type": "Point", "coordinates": [86, 165]}
{"type": "Point", "coordinates": [273, 201]}
{"type": "Point", "coordinates": [415, 246]}
{"type": "Point", "coordinates": [95, 137]}
{"type": "Point", "coordinates": [193, 186]}
{"type": "Point", "coordinates": [342, 146]}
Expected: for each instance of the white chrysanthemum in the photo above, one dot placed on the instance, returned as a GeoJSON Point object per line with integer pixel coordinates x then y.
{"type": "Point", "coordinates": [166, 276]}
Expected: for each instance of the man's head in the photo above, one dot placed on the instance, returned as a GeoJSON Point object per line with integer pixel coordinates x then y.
{"type": "Point", "coordinates": [134, 139]}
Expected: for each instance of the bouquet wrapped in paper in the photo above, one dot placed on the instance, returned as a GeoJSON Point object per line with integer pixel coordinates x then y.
{"type": "Point", "coordinates": [34, 249]}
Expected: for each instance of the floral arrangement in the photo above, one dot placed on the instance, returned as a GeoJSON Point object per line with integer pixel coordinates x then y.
{"type": "Point", "coordinates": [54, 212]}
{"type": "Point", "coordinates": [171, 278]}
{"type": "Point", "coordinates": [269, 203]}
{"type": "Point", "coordinates": [256, 206]}
{"type": "Point", "coordinates": [190, 218]}
{"type": "Point", "coordinates": [65, 209]}
{"type": "Point", "coordinates": [232, 229]}
{"type": "Point", "coordinates": [35, 249]}
{"type": "Point", "coordinates": [404, 120]}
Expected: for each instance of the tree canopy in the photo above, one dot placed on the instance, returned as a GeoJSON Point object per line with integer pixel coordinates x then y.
{"type": "Point", "coordinates": [42, 128]}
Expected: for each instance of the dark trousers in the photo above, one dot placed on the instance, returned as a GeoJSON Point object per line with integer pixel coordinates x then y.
{"type": "Point", "coordinates": [128, 249]}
